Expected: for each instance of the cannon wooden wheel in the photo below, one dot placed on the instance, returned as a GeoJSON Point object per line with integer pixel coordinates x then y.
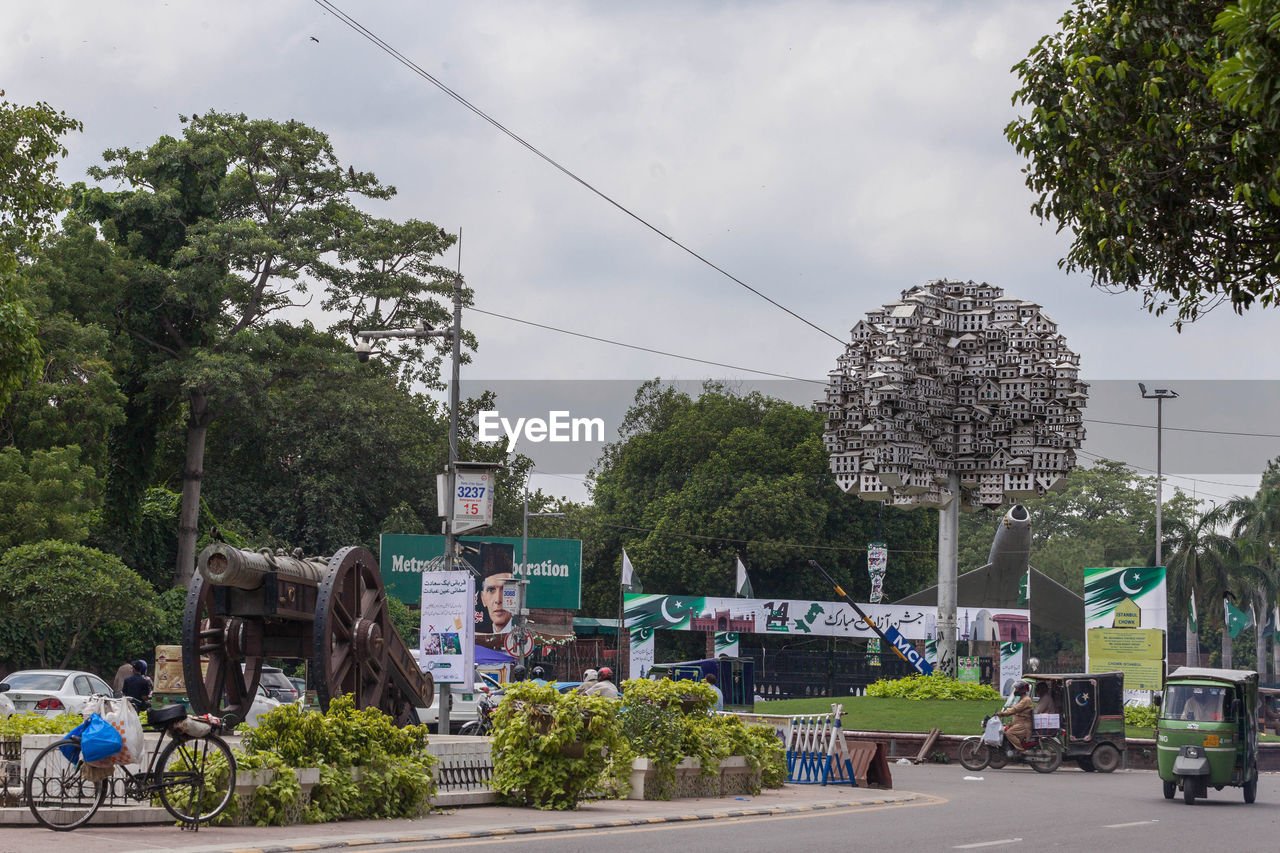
{"type": "Point", "coordinates": [221, 686]}
{"type": "Point", "coordinates": [351, 631]}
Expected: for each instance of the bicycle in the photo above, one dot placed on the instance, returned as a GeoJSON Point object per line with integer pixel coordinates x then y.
{"type": "Point", "coordinates": [64, 793]}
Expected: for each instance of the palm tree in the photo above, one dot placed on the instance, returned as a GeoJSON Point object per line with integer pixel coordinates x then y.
{"type": "Point", "coordinates": [1255, 527]}
{"type": "Point", "coordinates": [1197, 558]}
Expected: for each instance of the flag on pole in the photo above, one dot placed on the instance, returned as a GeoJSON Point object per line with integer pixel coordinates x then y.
{"type": "Point", "coordinates": [630, 580]}
{"type": "Point", "coordinates": [744, 582]}
{"type": "Point", "coordinates": [1235, 619]}
{"type": "Point", "coordinates": [1192, 624]}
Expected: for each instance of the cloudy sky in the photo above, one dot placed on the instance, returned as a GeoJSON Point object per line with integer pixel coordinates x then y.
{"type": "Point", "coordinates": [829, 154]}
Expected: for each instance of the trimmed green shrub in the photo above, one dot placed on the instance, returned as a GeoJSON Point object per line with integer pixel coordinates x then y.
{"type": "Point", "coordinates": [931, 687]}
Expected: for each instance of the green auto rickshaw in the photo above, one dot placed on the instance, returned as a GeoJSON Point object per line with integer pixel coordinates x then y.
{"type": "Point", "coordinates": [1207, 732]}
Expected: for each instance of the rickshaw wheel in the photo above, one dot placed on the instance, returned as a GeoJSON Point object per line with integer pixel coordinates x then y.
{"type": "Point", "coordinates": [1105, 758]}
{"type": "Point", "coordinates": [1190, 788]}
{"type": "Point", "coordinates": [1170, 788]}
{"type": "Point", "coordinates": [1251, 790]}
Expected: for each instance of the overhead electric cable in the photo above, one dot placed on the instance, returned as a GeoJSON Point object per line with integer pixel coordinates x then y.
{"type": "Point", "coordinates": [416, 69]}
{"type": "Point", "coordinates": [1186, 429]}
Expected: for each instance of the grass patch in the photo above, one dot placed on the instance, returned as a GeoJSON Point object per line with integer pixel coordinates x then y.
{"type": "Point", "coordinates": [953, 716]}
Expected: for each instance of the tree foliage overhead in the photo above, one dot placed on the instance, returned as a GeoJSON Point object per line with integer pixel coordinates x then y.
{"type": "Point", "coordinates": [694, 484]}
{"type": "Point", "coordinates": [1150, 134]}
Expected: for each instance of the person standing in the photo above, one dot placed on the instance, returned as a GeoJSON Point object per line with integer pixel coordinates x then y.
{"type": "Point", "coordinates": [137, 686]}
{"type": "Point", "coordinates": [710, 678]}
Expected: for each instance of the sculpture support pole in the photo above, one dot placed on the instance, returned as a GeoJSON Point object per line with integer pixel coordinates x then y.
{"type": "Point", "coordinates": [948, 560]}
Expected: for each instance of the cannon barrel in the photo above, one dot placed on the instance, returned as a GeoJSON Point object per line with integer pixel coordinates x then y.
{"type": "Point", "coordinates": [223, 565]}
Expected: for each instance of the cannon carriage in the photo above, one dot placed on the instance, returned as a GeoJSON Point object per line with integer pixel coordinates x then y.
{"type": "Point", "coordinates": [245, 606]}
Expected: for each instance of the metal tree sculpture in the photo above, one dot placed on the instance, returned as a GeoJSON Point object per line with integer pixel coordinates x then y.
{"type": "Point", "coordinates": [953, 396]}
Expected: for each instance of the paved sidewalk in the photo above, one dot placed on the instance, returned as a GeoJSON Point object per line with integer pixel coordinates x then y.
{"type": "Point", "coordinates": [470, 822]}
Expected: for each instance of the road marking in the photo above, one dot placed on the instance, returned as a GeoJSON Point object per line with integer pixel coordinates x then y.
{"type": "Point", "coordinates": [987, 844]}
{"type": "Point", "coordinates": [1126, 825]}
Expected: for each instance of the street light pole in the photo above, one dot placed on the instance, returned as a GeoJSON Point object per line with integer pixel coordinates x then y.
{"type": "Point", "coordinates": [524, 560]}
{"type": "Point", "coordinates": [1159, 395]}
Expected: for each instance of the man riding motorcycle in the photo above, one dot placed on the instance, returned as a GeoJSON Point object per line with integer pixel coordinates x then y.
{"type": "Point", "coordinates": [1020, 728]}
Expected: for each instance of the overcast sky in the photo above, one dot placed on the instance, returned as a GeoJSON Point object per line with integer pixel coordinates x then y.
{"type": "Point", "coordinates": [829, 154]}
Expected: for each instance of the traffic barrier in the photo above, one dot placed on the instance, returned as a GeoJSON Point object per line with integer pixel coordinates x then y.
{"type": "Point", "coordinates": [816, 750]}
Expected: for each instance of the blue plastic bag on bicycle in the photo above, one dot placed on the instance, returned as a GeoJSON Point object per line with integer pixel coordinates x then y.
{"type": "Point", "coordinates": [98, 740]}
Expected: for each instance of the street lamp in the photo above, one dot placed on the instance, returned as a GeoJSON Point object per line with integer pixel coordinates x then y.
{"type": "Point", "coordinates": [422, 331]}
{"type": "Point", "coordinates": [1159, 395]}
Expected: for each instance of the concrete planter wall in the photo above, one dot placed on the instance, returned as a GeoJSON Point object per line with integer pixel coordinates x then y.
{"type": "Point", "coordinates": [732, 778]}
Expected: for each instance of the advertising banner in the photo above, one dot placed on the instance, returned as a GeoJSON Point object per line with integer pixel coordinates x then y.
{"type": "Point", "coordinates": [1126, 614]}
{"type": "Point", "coordinates": [802, 618]}
{"type": "Point", "coordinates": [1010, 667]}
{"type": "Point", "coordinates": [727, 644]}
{"type": "Point", "coordinates": [642, 652]}
{"type": "Point", "coordinates": [555, 566]}
{"type": "Point", "coordinates": [447, 645]}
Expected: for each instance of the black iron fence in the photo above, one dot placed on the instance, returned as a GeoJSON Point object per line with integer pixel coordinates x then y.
{"type": "Point", "coordinates": [801, 673]}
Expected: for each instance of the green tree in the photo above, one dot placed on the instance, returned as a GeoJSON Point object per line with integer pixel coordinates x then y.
{"type": "Point", "coordinates": [30, 140]}
{"type": "Point", "coordinates": [1199, 560]}
{"type": "Point", "coordinates": [1151, 136]}
{"type": "Point", "coordinates": [222, 229]}
{"type": "Point", "coordinates": [694, 484]}
{"type": "Point", "coordinates": [60, 594]}
{"type": "Point", "coordinates": [46, 495]}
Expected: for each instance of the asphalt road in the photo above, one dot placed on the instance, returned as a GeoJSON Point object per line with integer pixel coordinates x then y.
{"type": "Point", "coordinates": [1005, 809]}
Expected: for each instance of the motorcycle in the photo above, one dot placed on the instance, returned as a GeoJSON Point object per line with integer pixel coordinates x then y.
{"type": "Point", "coordinates": [1043, 751]}
{"type": "Point", "coordinates": [483, 723]}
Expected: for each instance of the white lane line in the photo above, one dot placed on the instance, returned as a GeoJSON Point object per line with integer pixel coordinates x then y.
{"type": "Point", "coordinates": [1125, 825]}
{"type": "Point", "coordinates": [987, 844]}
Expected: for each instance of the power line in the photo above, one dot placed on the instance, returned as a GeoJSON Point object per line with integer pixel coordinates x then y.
{"type": "Point", "coordinates": [416, 69]}
{"type": "Point", "coordinates": [1187, 429]}
{"type": "Point", "coordinates": [1166, 474]}
{"type": "Point", "coordinates": [642, 348]}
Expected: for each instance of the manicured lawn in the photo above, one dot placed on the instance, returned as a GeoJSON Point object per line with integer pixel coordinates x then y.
{"type": "Point", "coordinates": [954, 717]}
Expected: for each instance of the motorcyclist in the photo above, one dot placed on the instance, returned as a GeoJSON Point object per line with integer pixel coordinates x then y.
{"type": "Point", "coordinates": [519, 673]}
{"type": "Point", "coordinates": [1019, 729]}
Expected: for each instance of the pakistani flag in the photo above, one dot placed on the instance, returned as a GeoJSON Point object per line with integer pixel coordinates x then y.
{"type": "Point", "coordinates": [744, 582]}
{"type": "Point", "coordinates": [630, 580]}
{"type": "Point", "coordinates": [1235, 619]}
{"type": "Point", "coordinates": [1192, 625]}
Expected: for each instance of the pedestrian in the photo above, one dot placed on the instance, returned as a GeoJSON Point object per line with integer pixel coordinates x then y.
{"type": "Point", "coordinates": [125, 670]}
{"type": "Point", "coordinates": [605, 686]}
{"type": "Point", "coordinates": [710, 678]}
{"type": "Point", "coordinates": [137, 686]}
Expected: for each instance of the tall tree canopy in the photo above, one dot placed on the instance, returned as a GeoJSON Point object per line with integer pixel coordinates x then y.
{"type": "Point", "coordinates": [693, 484]}
{"type": "Point", "coordinates": [30, 195]}
{"type": "Point", "coordinates": [219, 231]}
{"type": "Point", "coordinates": [1151, 135]}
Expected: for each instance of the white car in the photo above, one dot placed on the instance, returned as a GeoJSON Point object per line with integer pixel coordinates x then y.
{"type": "Point", "coordinates": [51, 692]}
{"type": "Point", "coordinates": [262, 704]}
{"type": "Point", "coordinates": [7, 707]}
{"type": "Point", "coordinates": [463, 707]}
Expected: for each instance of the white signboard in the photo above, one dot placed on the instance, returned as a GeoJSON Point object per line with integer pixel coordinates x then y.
{"type": "Point", "coordinates": [447, 645]}
{"type": "Point", "coordinates": [472, 499]}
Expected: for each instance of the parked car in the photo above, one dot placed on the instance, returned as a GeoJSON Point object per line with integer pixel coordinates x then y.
{"type": "Point", "coordinates": [278, 685]}
{"type": "Point", "coordinates": [51, 692]}
{"type": "Point", "coordinates": [6, 704]}
{"type": "Point", "coordinates": [262, 704]}
{"type": "Point", "coordinates": [299, 684]}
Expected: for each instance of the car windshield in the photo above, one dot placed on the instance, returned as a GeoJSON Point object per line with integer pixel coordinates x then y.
{"type": "Point", "coordinates": [1195, 702]}
{"type": "Point", "coordinates": [35, 681]}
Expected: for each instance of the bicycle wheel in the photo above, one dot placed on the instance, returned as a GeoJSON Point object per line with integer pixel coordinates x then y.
{"type": "Point", "coordinates": [195, 778]}
{"type": "Point", "coordinates": [974, 754]}
{"type": "Point", "coordinates": [58, 794]}
{"type": "Point", "coordinates": [470, 727]}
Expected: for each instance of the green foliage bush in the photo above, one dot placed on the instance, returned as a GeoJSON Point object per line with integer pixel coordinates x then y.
{"type": "Point", "coordinates": [30, 723]}
{"type": "Point", "coordinates": [551, 751]}
{"type": "Point", "coordinates": [666, 721]}
{"type": "Point", "coordinates": [1141, 716]}
{"type": "Point", "coordinates": [931, 687]}
{"type": "Point", "coordinates": [394, 768]}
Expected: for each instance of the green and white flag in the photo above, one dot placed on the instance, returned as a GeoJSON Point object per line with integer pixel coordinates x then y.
{"type": "Point", "coordinates": [630, 579]}
{"type": "Point", "coordinates": [1235, 619]}
{"type": "Point", "coordinates": [1192, 625]}
{"type": "Point", "coordinates": [744, 582]}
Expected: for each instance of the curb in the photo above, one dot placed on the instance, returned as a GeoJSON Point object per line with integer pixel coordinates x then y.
{"type": "Point", "coordinates": [538, 829]}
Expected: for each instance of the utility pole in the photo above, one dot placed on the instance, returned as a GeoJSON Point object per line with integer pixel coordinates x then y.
{"type": "Point", "coordinates": [422, 331]}
{"type": "Point", "coordinates": [1159, 395]}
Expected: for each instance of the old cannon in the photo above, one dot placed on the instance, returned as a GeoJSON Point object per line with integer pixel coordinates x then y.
{"type": "Point", "coordinates": [244, 606]}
